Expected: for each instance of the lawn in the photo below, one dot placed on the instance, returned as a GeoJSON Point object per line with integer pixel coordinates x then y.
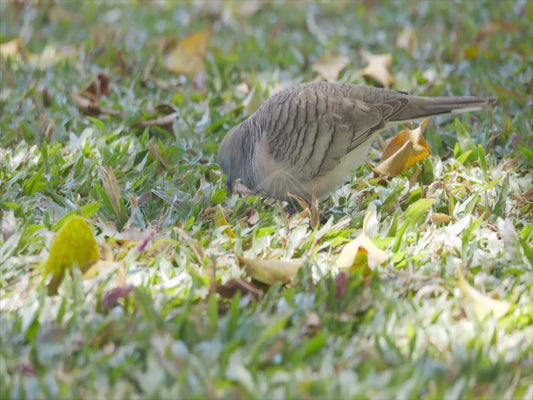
{"type": "Point", "coordinates": [111, 114]}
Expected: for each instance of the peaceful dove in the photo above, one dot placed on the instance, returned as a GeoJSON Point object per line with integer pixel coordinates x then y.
{"type": "Point", "coordinates": [314, 135]}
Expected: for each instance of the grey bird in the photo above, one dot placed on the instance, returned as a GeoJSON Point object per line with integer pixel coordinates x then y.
{"type": "Point", "coordinates": [312, 136]}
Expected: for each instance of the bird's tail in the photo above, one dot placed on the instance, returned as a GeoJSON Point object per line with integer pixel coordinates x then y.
{"type": "Point", "coordinates": [423, 107]}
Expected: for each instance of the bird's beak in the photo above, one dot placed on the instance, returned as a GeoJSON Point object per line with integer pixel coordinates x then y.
{"type": "Point", "coordinates": [229, 184]}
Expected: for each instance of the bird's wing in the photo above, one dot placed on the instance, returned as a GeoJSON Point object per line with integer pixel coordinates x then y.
{"type": "Point", "coordinates": [310, 131]}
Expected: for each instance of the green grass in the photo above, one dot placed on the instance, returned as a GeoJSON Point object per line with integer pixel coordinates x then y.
{"type": "Point", "coordinates": [151, 325]}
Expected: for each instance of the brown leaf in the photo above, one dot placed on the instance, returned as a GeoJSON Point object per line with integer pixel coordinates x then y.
{"type": "Point", "coordinates": [99, 87]}
{"type": "Point", "coordinates": [330, 65]}
{"type": "Point", "coordinates": [188, 56]}
{"type": "Point", "coordinates": [271, 271]}
{"type": "Point", "coordinates": [378, 68]}
{"type": "Point", "coordinates": [88, 100]}
{"type": "Point", "coordinates": [112, 188]}
{"type": "Point", "coordinates": [250, 217]}
{"type": "Point", "coordinates": [112, 297]}
{"type": "Point", "coordinates": [230, 288]}
{"type": "Point", "coordinates": [405, 150]}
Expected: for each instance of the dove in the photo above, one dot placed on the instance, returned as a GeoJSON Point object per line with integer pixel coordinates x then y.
{"type": "Point", "coordinates": [310, 137]}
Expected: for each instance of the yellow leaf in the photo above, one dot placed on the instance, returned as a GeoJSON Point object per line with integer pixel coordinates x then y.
{"type": "Point", "coordinates": [405, 150]}
{"type": "Point", "coordinates": [271, 271]}
{"type": "Point", "coordinates": [481, 304]}
{"type": "Point", "coordinates": [220, 220]}
{"type": "Point", "coordinates": [330, 65]}
{"type": "Point", "coordinates": [188, 56]}
{"type": "Point", "coordinates": [440, 219]}
{"type": "Point", "coordinates": [378, 68]}
{"type": "Point", "coordinates": [361, 252]}
{"type": "Point", "coordinates": [352, 254]}
{"type": "Point", "coordinates": [11, 48]}
{"type": "Point", "coordinates": [74, 244]}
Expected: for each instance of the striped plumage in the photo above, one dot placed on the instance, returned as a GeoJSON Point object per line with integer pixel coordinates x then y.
{"type": "Point", "coordinates": [315, 134]}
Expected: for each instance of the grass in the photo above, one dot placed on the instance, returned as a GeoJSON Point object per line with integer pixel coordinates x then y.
{"type": "Point", "coordinates": [162, 320]}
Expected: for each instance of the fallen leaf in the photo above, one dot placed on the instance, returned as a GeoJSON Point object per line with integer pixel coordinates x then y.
{"type": "Point", "coordinates": [405, 150]}
{"type": "Point", "coordinates": [11, 48]}
{"type": "Point", "coordinates": [220, 220]}
{"type": "Point", "coordinates": [188, 56]}
{"type": "Point", "coordinates": [271, 271]}
{"type": "Point", "coordinates": [407, 39]}
{"type": "Point", "coordinates": [361, 252]}
{"type": "Point", "coordinates": [378, 68]}
{"type": "Point", "coordinates": [440, 219]}
{"type": "Point", "coordinates": [51, 55]}
{"type": "Point", "coordinates": [163, 121]}
{"type": "Point", "coordinates": [481, 304]}
{"type": "Point", "coordinates": [230, 288]}
{"type": "Point", "coordinates": [112, 297]}
{"type": "Point", "coordinates": [330, 65]}
{"type": "Point", "coordinates": [88, 100]}
{"type": "Point", "coordinates": [250, 217]}
{"type": "Point", "coordinates": [75, 244]}
{"type": "Point", "coordinates": [112, 188]}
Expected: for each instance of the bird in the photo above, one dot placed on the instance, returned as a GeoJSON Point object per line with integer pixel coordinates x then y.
{"type": "Point", "coordinates": [310, 137]}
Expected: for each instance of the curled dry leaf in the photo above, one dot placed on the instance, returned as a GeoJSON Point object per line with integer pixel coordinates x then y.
{"type": "Point", "coordinates": [481, 304]}
{"type": "Point", "coordinates": [361, 252]}
{"type": "Point", "coordinates": [271, 271]}
{"type": "Point", "coordinates": [378, 68]}
{"type": "Point", "coordinates": [330, 65]}
{"type": "Point", "coordinates": [405, 150]}
{"type": "Point", "coordinates": [188, 56]}
{"type": "Point", "coordinates": [88, 100]}
{"type": "Point", "coordinates": [75, 244]}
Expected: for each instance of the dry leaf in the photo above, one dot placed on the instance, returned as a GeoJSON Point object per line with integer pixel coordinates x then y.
{"type": "Point", "coordinates": [361, 252]}
{"type": "Point", "coordinates": [112, 188]}
{"type": "Point", "coordinates": [378, 68]}
{"type": "Point", "coordinates": [271, 271]}
{"type": "Point", "coordinates": [230, 288]}
{"type": "Point", "coordinates": [405, 150]}
{"type": "Point", "coordinates": [481, 304]}
{"type": "Point", "coordinates": [11, 48]}
{"type": "Point", "coordinates": [50, 55]}
{"type": "Point", "coordinates": [75, 244]}
{"type": "Point", "coordinates": [330, 65]}
{"type": "Point", "coordinates": [188, 56]}
{"type": "Point", "coordinates": [161, 121]}
{"type": "Point", "coordinates": [220, 220]}
{"type": "Point", "coordinates": [88, 100]}
{"type": "Point", "coordinates": [407, 39]}
{"type": "Point", "coordinates": [440, 219]}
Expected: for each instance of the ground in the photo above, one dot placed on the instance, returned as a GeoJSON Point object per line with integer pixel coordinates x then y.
{"type": "Point", "coordinates": [114, 112]}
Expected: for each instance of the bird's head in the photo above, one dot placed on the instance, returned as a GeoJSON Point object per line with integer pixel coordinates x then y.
{"type": "Point", "coordinates": [230, 155]}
